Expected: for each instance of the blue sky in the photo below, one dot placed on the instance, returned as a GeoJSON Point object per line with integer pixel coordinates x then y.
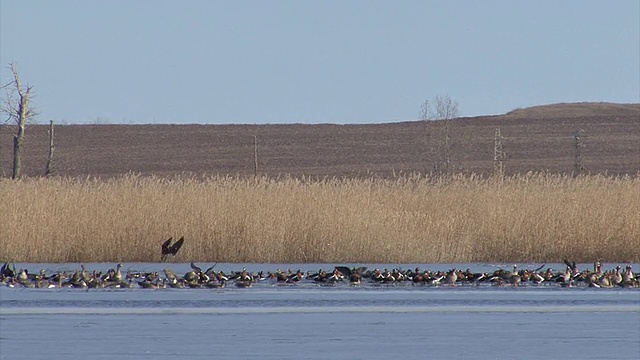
{"type": "Point", "coordinates": [315, 62]}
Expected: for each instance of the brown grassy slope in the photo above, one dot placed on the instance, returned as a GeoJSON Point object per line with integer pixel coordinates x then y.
{"type": "Point", "coordinates": [536, 139]}
{"type": "Point", "coordinates": [576, 110]}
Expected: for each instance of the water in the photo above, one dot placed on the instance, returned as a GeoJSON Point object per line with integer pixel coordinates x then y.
{"type": "Point", "coordinates": [318, 322]}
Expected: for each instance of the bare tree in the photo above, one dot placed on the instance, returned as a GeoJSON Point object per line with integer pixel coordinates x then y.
{"type": "Point", "coordinates": [425, 110]}
{"type": "Point", "coordinates": [445, 108]}
{"type": "Point", "coordinates": [15, 105]}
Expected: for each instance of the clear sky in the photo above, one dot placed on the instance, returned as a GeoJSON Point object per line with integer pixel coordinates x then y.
{"type": "Point", "coordinates": [315, 61]}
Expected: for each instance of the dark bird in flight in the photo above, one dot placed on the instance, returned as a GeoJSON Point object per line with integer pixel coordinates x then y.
{"type": "Point", "coordinates": [169, 249]}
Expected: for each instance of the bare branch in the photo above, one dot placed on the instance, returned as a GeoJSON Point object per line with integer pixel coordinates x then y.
{"type": "Point", "coordinates": [15, 105]}
{"type": "Point", "coordinates": [445, 108]}
{"type": "Point", "coordinates": [425, 111]}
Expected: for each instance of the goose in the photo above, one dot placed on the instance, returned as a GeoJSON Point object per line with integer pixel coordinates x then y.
{"type": "Point", "coordinates": [280, 276]}
{"type": "Point", "coordinates": [377, 275]}
{"type": "Point", "coordinates": [536, 278]}
{"type": "Point", "coordinates": [130, 275]}
{"type": "Point", "coordinates": [593, 278]}
{"type": "Point", "coordinates": [470, 276]}
{"type": "Point", "coordinates": [451, 277]}
{"type": "Point", "coordinates": [320, 277]}
{"type": "Point", "coordinates": [566, 278]}
{"type": "Point", "coordinates": [170, 275]}
{"type": "Point", "coordinates": [97, 283]}
{"type": "Point", "coordinates": [214, 283]}
{"type": "Point", "coordinates": [23, 276]}
{"type": "Point", "coordinates": [149, 276]}
{"type": "Point", "coordinates": [573, 267]}
{"type": "Point", "coordinates": [417, 277]}
{"type": "Point", "coordinates": [434, 279]}
{"type": "Point", "coordinates": [605, 280]}
{"type": "Point", "coordinates": [354, 278]}
{"type": "Point", "coordinates": [398, 275]}
{"type": "Point", "coordinates": [514, 278]}
{"type": "Point", "coordinates": [59, 279]}
{"type": "Point", "coordinates": [172, 279]}
{"type": "Point", "coordinates": [220, 279]}
{"type": "Point", "coordinates": [157, 284]}
{"type": "Point", "coordinates": [8, 270]}
{"type": "Point", "coordinates": [84, 274]}
{"type": "Point", "coordinates": [478, 277]}
{"type": "Point", "coordinates": [81, 284]}
{"type": "Point", "coordinates": [335, 276]}
{"type": "Point", "coordinates": [41, 280]}
{"type": "Point", "coordinates": [628, 277]}
{"type": "Point", "coordinates": [191, 276]}
{"type": "Point", "coordinates": [113, 275]}
{"type": "Point", "coordinates": [387, 277]}
{"type": "Point", "coordinates": [117, 276]}
{"type": "Point", "coordinates": [244, 280]}
{"type": "Point", "coordinates": [295, 278]}
{"type": "Point", "coordinates": [548, 275]}
{"type": "Point", "coordinates": [204, 278]}
{"type": "Point", "coordinates": [617, 276]}
{"type": "Point", "coordinates": [344, 270]}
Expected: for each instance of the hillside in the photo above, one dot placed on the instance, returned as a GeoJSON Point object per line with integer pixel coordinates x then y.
{"type": "Point", "coordinates": [535, 139]}
{"type": "Point", "coordinates": [576, 110]}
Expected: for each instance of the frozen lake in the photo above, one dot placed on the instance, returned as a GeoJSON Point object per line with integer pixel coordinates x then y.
{"type": "Point", "coordinates": [318, 322]}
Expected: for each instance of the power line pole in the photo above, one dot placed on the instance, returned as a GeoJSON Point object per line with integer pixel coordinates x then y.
{"type": "Point", "coordinates": [498, 154]}
{"type": "Point", "coordinates": [578, 145]}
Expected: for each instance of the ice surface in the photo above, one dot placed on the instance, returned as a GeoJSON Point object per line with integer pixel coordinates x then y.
{"type": "Point", "coordinates": [317, 322]}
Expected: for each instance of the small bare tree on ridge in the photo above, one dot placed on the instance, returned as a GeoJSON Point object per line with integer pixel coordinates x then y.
{"type": "Point", "coordinates": [445, 110]}
{"type": "Point", "coordinates": [15, 104]}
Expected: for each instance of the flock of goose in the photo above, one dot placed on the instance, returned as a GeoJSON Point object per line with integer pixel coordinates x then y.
{"type": "Point", "coordinates": [571, 276]}
{"type": "Point", "coordinates": [354, 276]}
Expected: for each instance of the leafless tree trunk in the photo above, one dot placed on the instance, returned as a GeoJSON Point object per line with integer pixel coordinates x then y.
{"type": "Point", "coordinates": [49, 170]}
{"type": "Point", "coordinates": [16, 106]}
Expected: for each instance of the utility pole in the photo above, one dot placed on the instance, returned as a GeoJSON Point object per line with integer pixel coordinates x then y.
{"type": "Point", "coordinates": [578, 145]}
{"type": "Point", "coordinates": [498, 154]}
{"type": "Point", "coordinates": [255, 156]}
{"type": "Point", "coordinates": [49, 170]}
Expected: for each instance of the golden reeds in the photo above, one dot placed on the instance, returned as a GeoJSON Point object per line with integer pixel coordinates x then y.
{"type": "Point", "coordinates": [410, 219]}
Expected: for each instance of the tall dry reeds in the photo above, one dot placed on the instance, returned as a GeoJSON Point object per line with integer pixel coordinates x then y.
{"type": "Point", "coordinates": [411, 219]}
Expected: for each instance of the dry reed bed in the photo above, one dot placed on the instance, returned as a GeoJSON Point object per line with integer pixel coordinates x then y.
{"type": "Point", "coordinates": [413, 219]}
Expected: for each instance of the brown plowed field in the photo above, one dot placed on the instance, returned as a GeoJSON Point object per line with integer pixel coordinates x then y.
{"type": "Point", "coordinates": [540, 139]}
